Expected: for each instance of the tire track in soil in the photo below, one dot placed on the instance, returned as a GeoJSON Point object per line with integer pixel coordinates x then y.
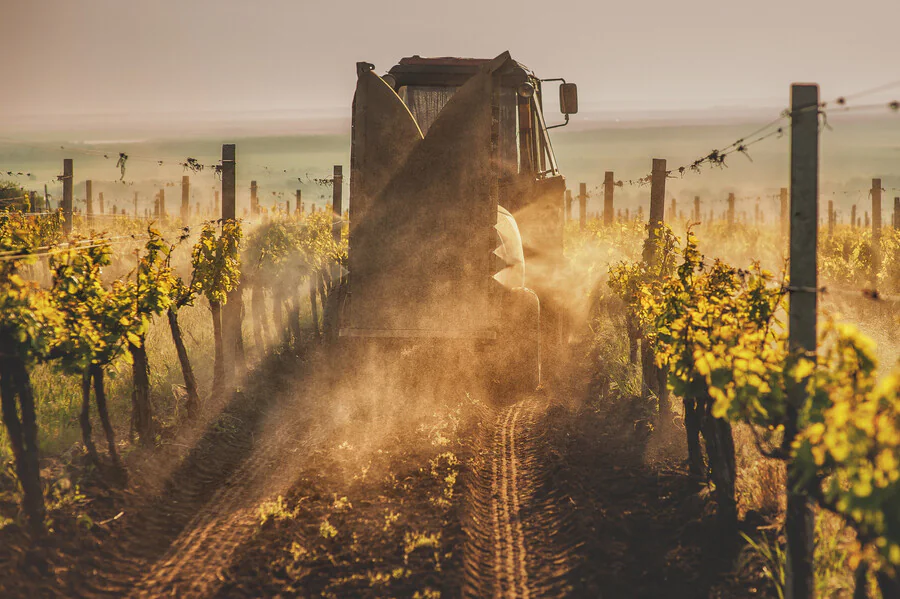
{"type": "Point", "coordinates": [518, 544]}
{"type": "Point", "coordinates": [177, 542]}
{"type": "Point", "coordinates": [193, 563]}
{"type": "Point", "coordinates": [150, 526]}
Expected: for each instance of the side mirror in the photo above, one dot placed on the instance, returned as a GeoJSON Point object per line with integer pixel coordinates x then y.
{"type": "Point", "coordinates": [568, 98]}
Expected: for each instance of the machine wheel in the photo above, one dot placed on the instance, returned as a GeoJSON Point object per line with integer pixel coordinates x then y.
{"type": "Point", "coordinates": [515, 359]}
{"type": "Point", "coordinates": [333, 312]}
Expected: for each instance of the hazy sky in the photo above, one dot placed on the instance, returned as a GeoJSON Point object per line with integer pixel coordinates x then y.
{"type": "Point", "coordinates": [191, 56]}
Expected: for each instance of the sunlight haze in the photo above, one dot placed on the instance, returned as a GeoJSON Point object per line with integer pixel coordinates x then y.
{"type": "Point", "coordinates": [155, 60]}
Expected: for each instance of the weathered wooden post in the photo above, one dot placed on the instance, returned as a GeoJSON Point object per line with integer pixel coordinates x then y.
{"type": "Point", "coordinates": [229, 208]}
{"type": "Point", "coordinates": [568, 205]}
{"type": "Point", "coordinates": [100, 200]}
{"type": "Point", "coordinates": [298, 208]}
{"type": "Point", "coordinates": [68, 204]}
{"type": "Point", "coordinates": [853, 216]}
{"type": "Point", "coordinates": [254, 200]}
{"type": "Point", "coordinates": [337, 209]}
{"type": "Point", "coordinates": [673, 213]}
{"type": "Point", "coordinates": [162, 204]}
{"type": "Point", "coordinates": [696, 215]}
{"type": "Point", "coordinates": [655, 377]}
{"type": "Point", "coordinates": [896, 219]}
{"type": "Point", "coordinates": [730, 216]}
{"type": "Point", "coordinates": [185, 198]}
{"type": "Point", "coordinates": [231, 312]}
{"type": "Point", "coordinates": [582, 205]}
{"type": "Point", "coordinates": [89, 202]}
{"type": "Point", "coordinates": [609, 187]}
{"type": "Point", "coordinates": [337, 200]}
{"type": "Point", "coordinates": [830, 218]}
{"type": "Point", "coordinates": [800, 520]}
{"type": "Point", "coordinates": [876, 231]}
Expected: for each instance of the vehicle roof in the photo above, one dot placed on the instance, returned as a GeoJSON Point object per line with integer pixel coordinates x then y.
{"type": "Point", "coordinates": [443, 61]}
{"type": "Point", "coordinates": [450, 70]}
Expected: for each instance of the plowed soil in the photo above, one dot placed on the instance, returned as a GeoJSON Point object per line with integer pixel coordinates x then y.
{"type": "Point", "coordinates": [300, 485]}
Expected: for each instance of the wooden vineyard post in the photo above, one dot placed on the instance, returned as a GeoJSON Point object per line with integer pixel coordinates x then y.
{"type": "Point", "coordinates": [298, 209]}
{"type": "Point", "coordinates": [896, 219]}
{"type": "Point", "coordinates": [673, 211]}
{"type": "Point", "coordinates": [568, 205]}
{"type": "Point", "coordinates": [696, 217]}
{"type": "Point", "coordinates": [67, 195]}
{"type": "Point", "coordinates": [254, 199]}
{"type": "Point", "coordinates": [185, 199]}
{"type": "Point", "coordinates": [231, 312]}
{"type": "Point", "coordinates": [830, 218]}
{"type": "Point", "coordinates": [609, 187]}
{"type": "Point", "coordinates": [337, 202]}
{"type": "Point", "coordinates": [89, 202]}
{"type": "Point", "coordinates": [229, 209]}
{"type": "Point", "coordinates": [582, 205]}
{"type": "Point", "coordinates": [100, 201]}
{"type": "Point", "coordinates": [876, 232]}
{"type": "Point", "coordinates": [853, 216]}
{"type": "Point", "coordinates": [657, 208]}
{"type": "Point", "coordinates": [800, 520]}
{"type": "Point", "coordinates": [730, 216]}
{"type": "Point", "coordinates": [785, 213]}
{"type": "Point", "coordinates": [162, 204]}
{"type": "Point", "coordinates": [654, 378]}
{"type": "Point", "coordinates": [337, 209]}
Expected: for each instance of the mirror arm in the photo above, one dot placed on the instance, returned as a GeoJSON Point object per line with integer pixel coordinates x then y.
{"type": "Point", "coordinates": [561, 124]}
